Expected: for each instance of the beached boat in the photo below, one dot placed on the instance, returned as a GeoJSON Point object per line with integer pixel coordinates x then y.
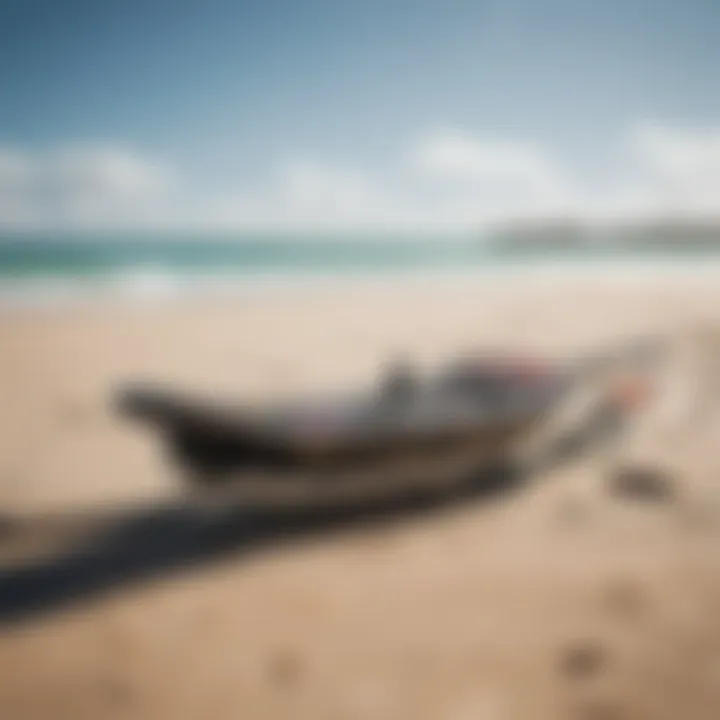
{"type": "Point", "coordinates": [467, 415]}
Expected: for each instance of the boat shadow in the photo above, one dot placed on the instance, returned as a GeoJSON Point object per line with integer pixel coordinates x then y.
{"type": "Point", "coordinates": [158, 541]}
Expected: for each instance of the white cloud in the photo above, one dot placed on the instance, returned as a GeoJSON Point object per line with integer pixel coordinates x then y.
{"type": "Point", "coordinates": [681, 168]}
{"type": "Point", "coordinates": [302, 195]}
{"type": "Point", "coordinates": [448, 179]}
{"type": "Point", "coordinates": [82, 185]}
{"type": "Point", "coordinates": [16, 169]}
{"type": "Point", "coordinates": [668, 172]}
{"type": "Point", "coordinates": [456, 154]}
{"type": "Point", "coordinates": [309, 193]}
{"type": "Point", "coordinates": [16, 177]}
{"type": "Point", "coordinates": [93, 185]}
{"type": "Point", "coordinates": [490, 178]}
{"type": "Point", "coordinates": [108, 169]}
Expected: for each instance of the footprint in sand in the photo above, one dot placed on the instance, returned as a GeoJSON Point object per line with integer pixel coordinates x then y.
{"type": "Point", "coordinates": [583, 663]}
{"type": "Point", "coordinates": [583, 660]}
{"type": "Point", "coordinates": [624, 599]}
{"type": "Point", "coordinates": [118, 694]}
{"type": "Point", "coordinates": [285, 668]}
{"type": "Point", "coordinates": [644, 483]}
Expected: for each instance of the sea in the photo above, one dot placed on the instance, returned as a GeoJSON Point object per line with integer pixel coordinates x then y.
{"type": "Point", "coordinates": [51, 268]}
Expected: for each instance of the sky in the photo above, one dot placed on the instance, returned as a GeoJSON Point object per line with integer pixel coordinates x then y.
{"type": "Point", "coordinates": [355, 114]}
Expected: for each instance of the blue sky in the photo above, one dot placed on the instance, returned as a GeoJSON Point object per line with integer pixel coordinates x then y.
{"type": "Point", "coordinates": [240, 104]}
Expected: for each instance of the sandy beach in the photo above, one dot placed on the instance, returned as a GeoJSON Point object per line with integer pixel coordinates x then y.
{"type": "Point", "coordinates": [561, 600]}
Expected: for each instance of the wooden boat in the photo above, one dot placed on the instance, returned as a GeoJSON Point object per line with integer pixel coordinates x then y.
{"type": "Point", "coordinates": [469, 414]}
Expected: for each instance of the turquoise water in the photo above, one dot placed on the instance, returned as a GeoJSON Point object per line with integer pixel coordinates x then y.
{"type": "Point", "coordinates": [65, 265]}
{"type": "Point", "coordinates": [62, 256]}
